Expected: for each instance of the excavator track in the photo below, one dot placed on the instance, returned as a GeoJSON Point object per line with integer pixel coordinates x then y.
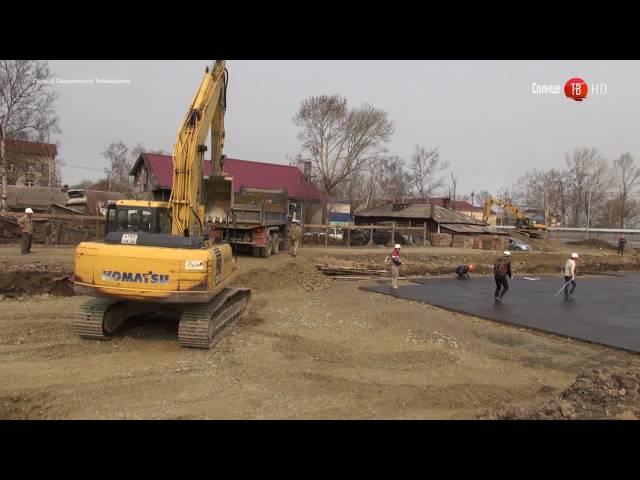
{"type": "Point", "coordinates": [89, 319]}
{"type": "Point", "coordinates": [202, 326]}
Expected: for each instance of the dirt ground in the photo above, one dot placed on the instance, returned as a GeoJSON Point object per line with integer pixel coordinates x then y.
{"type": "Point", "coordinates": [311, 348]}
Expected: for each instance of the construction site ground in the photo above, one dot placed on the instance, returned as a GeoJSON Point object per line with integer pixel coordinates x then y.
{"type": "Point", "coordinates": [311, 348]}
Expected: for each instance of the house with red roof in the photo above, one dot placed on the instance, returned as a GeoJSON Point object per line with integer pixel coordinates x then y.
{"type": "Point", "coordinates": [30, 164]}
{"type": "Point", "coordinates": [153, 178]}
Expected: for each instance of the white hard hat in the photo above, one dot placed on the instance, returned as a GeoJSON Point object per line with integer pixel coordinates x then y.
{"type": "Point", "coordinates": [295, 220]}
{"type": "Point", "coordinates": [398, 245]}
{"type": "Point", "coordinates": [575, 255]}
{"type": "Point", "coordinates": [507, 253]}
{"type": "Point", "coordinates": [28, 210]}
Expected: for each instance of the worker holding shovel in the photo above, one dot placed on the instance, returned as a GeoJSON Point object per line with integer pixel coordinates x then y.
{"type": "Point", "coordinates": [570, 276]}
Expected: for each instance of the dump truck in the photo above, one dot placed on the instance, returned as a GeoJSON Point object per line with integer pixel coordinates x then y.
{"type": "Point", "coordinates": [258, 221]}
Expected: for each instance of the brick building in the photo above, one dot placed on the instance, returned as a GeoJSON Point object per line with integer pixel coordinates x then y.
{"type": "Point", "coordinates": [30, 164]}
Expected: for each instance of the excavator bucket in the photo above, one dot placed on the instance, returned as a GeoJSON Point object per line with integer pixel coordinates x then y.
{"type": "Point", "coordinates": [218, 196]}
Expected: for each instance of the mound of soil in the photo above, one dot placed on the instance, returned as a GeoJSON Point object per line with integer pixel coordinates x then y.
{"type": "Point", "coordinates": [597, 394]}
{"type": "Point", "coordinates": [34, 279]}
{"type": "Point", "coordinates": [297, 274]}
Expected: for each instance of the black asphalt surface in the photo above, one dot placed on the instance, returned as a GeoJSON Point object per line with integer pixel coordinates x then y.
{"type": "Point", "coordinates": [605, 309]}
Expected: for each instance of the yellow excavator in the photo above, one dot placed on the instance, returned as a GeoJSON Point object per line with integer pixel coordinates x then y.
{"type": "Point", "coordinates": [155, 257]}
{"type": "Point", "coordinates": [524, 225]}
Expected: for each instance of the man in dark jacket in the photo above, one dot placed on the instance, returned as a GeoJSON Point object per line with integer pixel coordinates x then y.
{"type": "Point", "coordinates": [502, 270]}
{"type": "Point", "coordinates": [622, 242]}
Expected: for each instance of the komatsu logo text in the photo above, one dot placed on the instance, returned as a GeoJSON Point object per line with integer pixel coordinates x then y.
{"type": "Point", "coordinates": [149, 277]}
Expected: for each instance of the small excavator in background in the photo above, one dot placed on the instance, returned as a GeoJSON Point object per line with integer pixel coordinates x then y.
{"type": "Point", "coordinates": [524, 225]}
{"type": "Point", "coordinates": [155, 257]}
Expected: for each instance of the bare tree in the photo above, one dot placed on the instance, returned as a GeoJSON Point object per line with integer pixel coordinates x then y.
{"type": "Point", "coordinates": [338, 140]}
{"type": "Point", "coordinates": [396, 182]}
{"type": "Point", "coordinates": [453, 186]}
{"type": "Point", "coordinates": [424, 165]}
{"type": "Point", "coordinates": [627, 178]}
{"type": "Point", "coordinates": [118, 165]}
{"type": "Point", "coordinates": [26, 107]}
{"type": "Point", "coordinates": [540, 191]}
{"type": "Point", "coordinates": [481, 197]}
{"type": "Point", "coordinates": [137, 151]}
{"type": "Point", "coordinates": [373, 179]}
{"type": "Point", "coordinates": [587, 180]}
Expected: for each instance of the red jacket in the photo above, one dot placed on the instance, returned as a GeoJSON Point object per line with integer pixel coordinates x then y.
{"type": "Point", "coordinates": [395, 256]}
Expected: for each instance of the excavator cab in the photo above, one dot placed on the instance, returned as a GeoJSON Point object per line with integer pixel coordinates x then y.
{"type": "Point", "coordinates": [138, 216]}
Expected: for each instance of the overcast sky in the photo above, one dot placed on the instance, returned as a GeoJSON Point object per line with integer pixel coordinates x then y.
{"type": "Point", "coordinates": [481, 115]}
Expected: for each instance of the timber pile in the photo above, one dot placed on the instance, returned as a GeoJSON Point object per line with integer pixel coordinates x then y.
{"type": "Point", "coordinates": [335, 271]}
{"type": "Point", "coordinates": [355, 273]}
{"type": "Point", "coordinates": [441, 239]}
{"type": "Point", "coordinates": [486, 242]}
{"type": "Point", "coordinates": [462, 241]}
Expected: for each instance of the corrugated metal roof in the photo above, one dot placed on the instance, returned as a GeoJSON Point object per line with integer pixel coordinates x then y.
{"type": "Point", "coordinates": [421, 211]}
{"type": "Point", "coordinates": [33, 148]}
{"type": "Point", "coordinates": [244, 172]}
{"type": "Point", "coordinates": [34, 197]}
{"type": "Point", "coordinates": [441, 201]}
{"type": "Point", "coordinates": [459, 228]}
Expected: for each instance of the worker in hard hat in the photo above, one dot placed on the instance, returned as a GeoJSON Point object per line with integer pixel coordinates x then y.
{"type": "Point", "coordinates": [570, 276]}
{"type": "Point", "coordinates": [502, 270]}
{"type": "Point", "coordinates": [462, 271]}
{"type": "Point", "coordinates": [395, 265]}
{"type": "Point", "coordinates": [26, 226]}
{"type": "Point", "coordinates": [295, 236]}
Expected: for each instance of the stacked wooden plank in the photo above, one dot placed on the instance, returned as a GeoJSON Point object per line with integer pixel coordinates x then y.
{"type": "Point", "coordinates": [487, 242]}
{"type": "Point", "coordinates": [462, 241]}
{"type": "Point", "coordinates": [441, 239]}
{"type": "Point", "coordinates": [336, 270]}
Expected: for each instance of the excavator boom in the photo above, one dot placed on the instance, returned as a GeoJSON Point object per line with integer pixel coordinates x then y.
{"type": "Point", "coordinates": [206, 112]}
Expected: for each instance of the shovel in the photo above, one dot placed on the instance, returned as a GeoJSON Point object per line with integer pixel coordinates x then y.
{"type": "Point", "coordinates": [562, 288]}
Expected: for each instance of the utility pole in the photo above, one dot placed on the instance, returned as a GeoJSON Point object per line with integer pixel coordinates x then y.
{"type": "Point", "coordinates": [589, 209]}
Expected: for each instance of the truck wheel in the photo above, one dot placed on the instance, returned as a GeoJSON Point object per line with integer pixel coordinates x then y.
{"type": "Point", "coordinates": [276, 244]}
{"type": "Point", "coordinates": [265, 252]}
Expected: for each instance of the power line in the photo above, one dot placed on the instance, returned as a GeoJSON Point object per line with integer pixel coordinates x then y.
{"type": "Point", "coordinates": [78, 166]}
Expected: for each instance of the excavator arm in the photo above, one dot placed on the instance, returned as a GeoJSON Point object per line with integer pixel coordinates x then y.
{"type": "Point", "coordinates": [507, 206]}
{"type": "Point", "coordinates": [189, 190]}
{"type": "Point", "coordinates": [519, 214]}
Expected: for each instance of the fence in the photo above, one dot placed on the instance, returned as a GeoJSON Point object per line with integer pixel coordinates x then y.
{"type": "Point", "coordinates": [387, 235]}
{"type": "Point", "coordinates": [54, 229]}
{"type": "Point", "coordinates": [610, 235]}
{"type": "Point", "coordinates": [364, 235]}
